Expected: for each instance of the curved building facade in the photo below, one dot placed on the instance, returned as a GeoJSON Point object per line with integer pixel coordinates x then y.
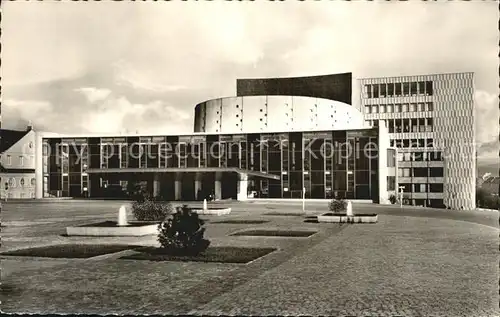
{"type": "Point", "coordinates": [269, 113]}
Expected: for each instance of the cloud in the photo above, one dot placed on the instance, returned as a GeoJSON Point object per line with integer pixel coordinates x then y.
{"type": "Point", "coordinates": [120, 115]}
{"type": "Point", "coordinates": [126, 75]}
{"type": "Point", "coordinates": [94, 94]}
{"type": "Point", "coordinates": [487, 116]}
{"type": "Point", "coordinates": [26, 109]}
{"type": "Point", "coordinates": [158, 60]}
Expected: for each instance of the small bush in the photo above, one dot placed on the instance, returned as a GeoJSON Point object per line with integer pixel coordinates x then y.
{"type": "Point", "coordinates": [337, 205]}
{"type": "Point", "coordinates": [182, 233]}
{"type": "Point", "coordinates": [150, 210]}
{"type": "Point", "coordinates": [393, 199]}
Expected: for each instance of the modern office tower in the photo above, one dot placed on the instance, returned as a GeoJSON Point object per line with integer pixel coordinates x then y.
{"type": "Point", "coordinates": [430, 119]}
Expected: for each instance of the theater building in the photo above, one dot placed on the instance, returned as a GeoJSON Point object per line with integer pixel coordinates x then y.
{"type": "Point", "coordinates": [280, 136]}
{"type": "Point", "coordinates": [275, 139]}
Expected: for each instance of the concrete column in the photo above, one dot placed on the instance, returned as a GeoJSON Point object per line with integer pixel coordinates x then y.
{"type": "Point", "coordinates": [156, 185]}
{"type": "Point", "coordinates": [197, 187]}
{"type": "Point", "coordinates": [242, 193]}
{"type": "Point", "coordinates": [178, 189]}
{"type": "Point", "coordinates": [38, 166]}
{"type": "Point", "coordinates": [218, 189]}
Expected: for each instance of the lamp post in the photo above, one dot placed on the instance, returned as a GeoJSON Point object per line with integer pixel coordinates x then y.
{"type": "Point", "coordinates": [6, 191]}
{"type": "Point", "coordinates": [304, 200]}
{"type": "Point", "coordinates": [401, 196]}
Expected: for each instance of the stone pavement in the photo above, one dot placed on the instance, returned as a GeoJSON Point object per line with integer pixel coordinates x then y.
{"type": "Point", "coordinates": [400, 266]}
{"type": "Point", "coordinates": [414, 262]}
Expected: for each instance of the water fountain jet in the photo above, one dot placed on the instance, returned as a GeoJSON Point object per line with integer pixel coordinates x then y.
{"type": "Point", "coordinates": [122, 216]}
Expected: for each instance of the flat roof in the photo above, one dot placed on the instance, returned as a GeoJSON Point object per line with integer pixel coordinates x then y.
{"type": "Point", "coordinates": [53, 135]}
{"type": "Point", "coordinates": [181, 170]}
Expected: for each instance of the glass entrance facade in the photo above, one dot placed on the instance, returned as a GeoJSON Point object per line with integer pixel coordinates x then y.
{"type": "Point", "coordinates": [328, 164]}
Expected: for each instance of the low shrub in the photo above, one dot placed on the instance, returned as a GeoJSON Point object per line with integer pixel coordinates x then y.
{"type": "Point", "coordinates": [393, 199]}
{"type": "Point", "coordinates": [151, 210]}
{"type": "Point", "coordinates": [337, 205]}
{"type": "Point", "coordinates": [182, 233]}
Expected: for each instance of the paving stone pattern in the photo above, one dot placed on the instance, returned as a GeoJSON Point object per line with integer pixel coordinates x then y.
{"type": "Point", "coordinates": [444, 270]}
{"type": "Point", "coordinates": [414, 262]}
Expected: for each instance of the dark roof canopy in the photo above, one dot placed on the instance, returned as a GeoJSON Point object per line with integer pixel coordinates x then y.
{"type": "Point", "coordinates": [334, 87]}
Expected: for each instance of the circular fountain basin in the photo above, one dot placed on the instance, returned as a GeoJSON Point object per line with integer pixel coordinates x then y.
{"type": "Point", "coordinates": [344, 218]}
{"type": "Point", "coordinates": [112, 229]}
{"type": "Point", "coordinates": [213, 211]}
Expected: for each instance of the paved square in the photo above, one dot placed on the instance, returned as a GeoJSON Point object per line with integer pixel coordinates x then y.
{"type": "Point", "coordinates": [415, 261]}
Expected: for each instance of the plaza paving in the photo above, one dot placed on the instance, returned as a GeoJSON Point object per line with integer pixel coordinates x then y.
{"type": "Point", "coordinates": [414, 262]}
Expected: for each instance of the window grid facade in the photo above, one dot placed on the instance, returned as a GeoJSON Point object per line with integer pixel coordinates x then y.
{"type": "Point", "coordinates": [436, 111]}
{"type": "Point", "coordinates": [316, 160]}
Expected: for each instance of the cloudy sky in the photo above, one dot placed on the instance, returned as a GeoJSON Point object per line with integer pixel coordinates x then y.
{"type": "Point", "coordinates": [134, 66]}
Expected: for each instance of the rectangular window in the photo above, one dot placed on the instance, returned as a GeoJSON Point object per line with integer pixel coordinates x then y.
{"type": "Point", "coordinates": [397, 89]}
{"type": "Point", "coordinates": [418, 156]}
{"type": "Point", "coordinates": [420, 172]}
{"type": "Point", "coordinates": [406, 172]}
{"type": "Point", "coordinates": [421, 124]}
{"type": "Point", "coordinates": [406, 143]}
{"type": "Point", "coordinates": [390, 108]}
{"type": "Point", "coordinates": [430, 106]}
{"type": "Point", "coordinates": [435, 156]}
{"type": "Point", "coordinates": [429, 126]}
{"type": "Point", "coordinates": [383, 90]}
{"type": "Point", "coordinates": [21, 161]}
{"type": "Point", "coordinates": [436, 188]}
{"type": "Point", "coordinates": [421, 88]}
{"type": "Point", "coordinates": [375, 109]}
{"type": "Point", "coordinates": [382, 108]}
{"type": "Point", "coordinates": [413, 107]}
{"type": "Point", "coordinates": [406, 89]}
{"type": "Point", "coordinates": [405, 107]}
{"type": "Point", "coordinates": [413, 143]}
{"type": "Point", "coordinates": [414, 125]}
{"type": "Point", "coordinates": [368, 109]}
{"type": "Point", "coordinates": [9, 160]}
{"type": "Point", "coordinates": [375, 91]}
{"type": "Point", "coordinates": [436, 172]}
{"type": "Point", "coordinates": [391, 158]}
{"type": "Point", "coordinates": [398, 108]}
{"type": "Point", "coordinates": [421, 106]}
{"type": "Point", "coordinates": [391, 126]}
{"type": "Point", "coordinates": [428, 88]}
{"type": "Point", "coordinates": [368, 91]}
{"type": "Point", "coordinates": [421, 143]}
{"type": "Point", "coordinates": [391, 143]}
{"type": "Point", "coordinates": [413, 89]}
{"type": "Point", "coordinates": [406, 157]}
{"type": "Point", "coordinates": [391, 183]}
{"type": "Point", "coordinates": [429, 143]}
{"type": "Point", "coordinates": [406, 125]}
{"type": "Point", "coordinates": [423, 188]}
{"type": "Point", "coordinates": [390, 90]}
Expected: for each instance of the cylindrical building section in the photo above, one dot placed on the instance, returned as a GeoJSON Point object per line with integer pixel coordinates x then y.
{"type": "Point", "coordinates": [251, 114]}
